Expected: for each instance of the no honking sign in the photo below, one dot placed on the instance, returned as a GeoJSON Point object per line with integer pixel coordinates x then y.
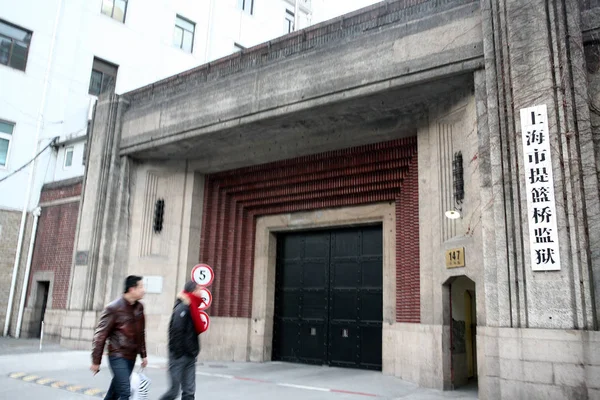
{"type": "Point", "coordinates": [206, 297]}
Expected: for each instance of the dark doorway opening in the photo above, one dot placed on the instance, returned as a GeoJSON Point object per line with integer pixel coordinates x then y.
{"type": "Point", "coordinates": [39, 308]}
{"type": "Point", "coordinates": [328, 297]}
{"type": "Point", "coordinates": [463, 332]}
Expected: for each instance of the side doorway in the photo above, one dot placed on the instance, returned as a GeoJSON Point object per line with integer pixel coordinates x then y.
{"type": "Point", "coordinates": [462, 346]}
{"type": "Point", "coordinates": [42, 291]}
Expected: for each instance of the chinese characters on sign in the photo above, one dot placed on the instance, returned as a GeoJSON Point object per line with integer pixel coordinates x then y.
{"type": "Point", "coordinates": [539, 183]}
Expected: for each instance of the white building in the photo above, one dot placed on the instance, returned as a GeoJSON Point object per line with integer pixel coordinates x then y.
{"type": "Point", "coordinates": [56, 56]}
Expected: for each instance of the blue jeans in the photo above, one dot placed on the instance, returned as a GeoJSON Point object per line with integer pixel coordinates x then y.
{"type": "Point", "coordinates": [119, 386]}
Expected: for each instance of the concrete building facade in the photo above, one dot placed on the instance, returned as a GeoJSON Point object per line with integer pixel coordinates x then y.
{"type": "Point", "coordinates": [274, 165]}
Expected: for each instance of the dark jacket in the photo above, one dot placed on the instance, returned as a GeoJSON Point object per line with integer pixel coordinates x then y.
{"type": "Point", "coordinates": [124, 326]}
{"type": "Point", "coordinates": [183, 339]}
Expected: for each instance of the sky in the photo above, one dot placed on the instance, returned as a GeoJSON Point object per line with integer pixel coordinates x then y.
{"type": "Point", "coordinates": [327, 9]}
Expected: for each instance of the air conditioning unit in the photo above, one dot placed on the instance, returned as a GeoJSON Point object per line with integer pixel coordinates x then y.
{"type": "Point", "coordinates": [93, 100]}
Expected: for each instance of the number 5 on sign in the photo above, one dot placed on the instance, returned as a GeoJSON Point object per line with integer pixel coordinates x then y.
{"type": "Point", "coordinates": [203, 275]}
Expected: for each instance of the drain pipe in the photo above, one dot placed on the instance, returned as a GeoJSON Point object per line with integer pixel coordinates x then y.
{"type": "Point", "coordinates": [209, 31]}
{"type": "Point", "coordinates": [451, 343]}
{"type": "Point", "coordinates": [296, 16]}
{"type": "Point", "coordinates": [31, 181]}
{"type": "Point", "coordinates": [36, 217]}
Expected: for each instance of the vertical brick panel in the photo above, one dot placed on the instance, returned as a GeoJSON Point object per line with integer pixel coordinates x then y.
{"type": "Point", "coordinates": [408, 283]}
{"type": "Point", "coordinates": [236, 252]}
{"type": "Point", "coordinates": [55, 239]}
{"type": "Point", "coordinates": [227, 251]}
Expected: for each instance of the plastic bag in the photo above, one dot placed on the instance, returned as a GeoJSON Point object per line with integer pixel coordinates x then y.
{"type": "Point", "coordinates": [140, 386]}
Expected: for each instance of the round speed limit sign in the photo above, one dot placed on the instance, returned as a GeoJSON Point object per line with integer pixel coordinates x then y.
{"type": "Point", "coordinates": [206, 297]}
{"type": "Point", "coordinates": [203, 275]}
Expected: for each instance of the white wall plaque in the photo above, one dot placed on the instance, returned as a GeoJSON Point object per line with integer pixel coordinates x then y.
{"type": "Point", "coordinates": [153, 284]}
{"type": "Point", "coordinates": [539, 183]}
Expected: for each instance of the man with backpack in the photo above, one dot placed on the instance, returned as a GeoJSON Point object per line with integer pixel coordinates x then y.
{"type": "Point", "coordinates": [184, 344]}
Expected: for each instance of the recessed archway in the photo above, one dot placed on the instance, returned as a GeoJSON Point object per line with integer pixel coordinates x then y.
{"type": "Point", "coordinates": [263, 293]}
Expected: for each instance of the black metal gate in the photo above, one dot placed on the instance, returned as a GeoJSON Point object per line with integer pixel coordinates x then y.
{"type": "Point", "coordinates": [328, 298]}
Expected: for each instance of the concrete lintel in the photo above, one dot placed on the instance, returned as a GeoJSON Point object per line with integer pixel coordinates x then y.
{"type": "Point", "coordinates": [62, 183]}
{"type": "Point", "coordinates": [66, 200]}
{"type": "Point", "coordinates": [157, 138]}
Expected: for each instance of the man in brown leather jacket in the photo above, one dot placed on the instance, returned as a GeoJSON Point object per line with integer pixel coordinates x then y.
{"type": "Point", "coordinates": [122, 322]}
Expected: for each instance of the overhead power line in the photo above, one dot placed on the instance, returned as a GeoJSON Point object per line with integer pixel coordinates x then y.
{"type": "Point", "coordinates": [30, 161]}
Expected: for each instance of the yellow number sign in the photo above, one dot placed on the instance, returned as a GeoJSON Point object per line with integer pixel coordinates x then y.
{"type": "Point", "coordinates": [455, 258]}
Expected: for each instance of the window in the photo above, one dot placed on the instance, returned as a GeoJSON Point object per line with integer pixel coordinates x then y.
{"type": "Point", "coordinates": [116, 9]}
{"type": "Point", "coordinates": [159, 215]}
{"type": "Point", "coordinates": [14, 45]}
{"type": "Point", "coordinates": [289, 21]}
{"type": "Point", "coordinates": [247, 6]}
{"type": "Point", "coordinates": [69, 157]}
{"type": "Point", "coordinates": [6, 131]}
{"type": "Point", "coordinates": [104, 77]}
{"type": "Point", "coordinates": [183, 38]}
{"type": "Point", "coordinates": [84, 158]}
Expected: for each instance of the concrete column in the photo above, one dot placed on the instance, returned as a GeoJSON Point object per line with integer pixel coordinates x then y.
{"type": "Point", "coordinates": [164, 258]}
{"type": "Point", "coordinates": [534, 56]}
{"type": "Point", "coordinates": [103, 217]}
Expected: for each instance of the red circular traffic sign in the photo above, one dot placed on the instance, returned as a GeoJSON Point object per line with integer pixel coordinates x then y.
{"type": "Point", "coordinates": [203, 274]}
{"type": "Point", "coordinates": [206, 297]}
{"type": "Point", "coordinates": [205, 319]}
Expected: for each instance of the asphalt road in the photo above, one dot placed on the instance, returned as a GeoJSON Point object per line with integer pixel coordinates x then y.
{"type": "Point", "coordinates": [57, 373]}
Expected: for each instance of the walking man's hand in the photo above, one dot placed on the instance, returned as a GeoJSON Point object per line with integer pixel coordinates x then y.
{"type": "Point", "coordinates": [144, 362]}
{"type": "Point", "coordinates": [95, 368]}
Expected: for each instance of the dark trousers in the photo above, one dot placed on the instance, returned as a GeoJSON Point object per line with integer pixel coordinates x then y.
{"type": "Point", "coordinates": [182, 371]}
{"type": "Point", "coordinates": [119, 386]}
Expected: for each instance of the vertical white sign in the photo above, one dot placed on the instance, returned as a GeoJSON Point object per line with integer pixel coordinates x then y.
{"type": "Point", "coordinates": [539, 183]}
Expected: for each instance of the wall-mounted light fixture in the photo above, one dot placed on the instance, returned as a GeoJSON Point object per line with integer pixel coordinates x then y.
{"type": "Point", "coordinates": [452, 214]}
{"type": "Point", "coordinates": [459, 186]}
{"type": "Point", "coordinates": [459, 182]}
{"type": "Point", "coordinates": [159, 213]}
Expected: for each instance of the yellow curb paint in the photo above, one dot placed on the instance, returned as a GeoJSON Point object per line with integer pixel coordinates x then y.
{"type": "Point", "coordinates": [92, 392]}
{"type": "Point", "coordinates": [55, 384]}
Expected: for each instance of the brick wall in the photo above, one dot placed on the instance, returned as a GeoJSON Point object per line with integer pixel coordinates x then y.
{"type": "Point", "coordinates": [408, 277]}
{"type": "Point", "coordinates": [61, 190]}
{"type": "Point", "coordinates": [9, 233]}
{"type": "Point", "coordinates": [10, 222]}
{"type": "Point", "coordinates": [361, 175]}
{"type": "Point", "coordinates": [55, 239]}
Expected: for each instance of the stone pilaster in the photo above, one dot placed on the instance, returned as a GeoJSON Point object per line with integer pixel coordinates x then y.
{"type": "Point", "coordinates": [534, 56]}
